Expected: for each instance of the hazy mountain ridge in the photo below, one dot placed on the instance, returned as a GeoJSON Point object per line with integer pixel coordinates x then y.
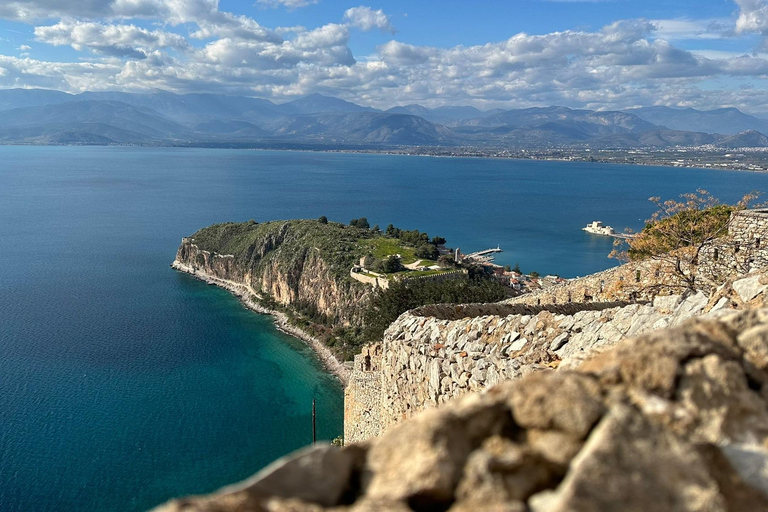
{"type": "Point", "coordinates": [53, 117]}
{"type": "Point", "coordinates": [726, 121]}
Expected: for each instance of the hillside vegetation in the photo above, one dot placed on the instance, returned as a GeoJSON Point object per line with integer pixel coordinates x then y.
{"type": "Point", "coordinates": [302, 267]}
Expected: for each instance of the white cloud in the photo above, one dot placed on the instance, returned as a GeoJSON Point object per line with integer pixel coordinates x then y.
{"type": "Point", "coordinates": [753, 16]}
{"type": "Point", "coordinates": [117, 40]}
{"type": "Point", "coordinates": [211, 21]}
{"type": "Point", "coordinates": [366, 18]}
{"type": "Point", "coordinates": [627, 63]}
{"type": "Point", "coordinates": [289, 4]}
{"type": "Point", "coordinates": [682, 29]}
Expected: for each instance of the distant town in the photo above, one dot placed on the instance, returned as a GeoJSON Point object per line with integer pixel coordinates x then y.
{"type": "Point", "coordinates": [705, 157]}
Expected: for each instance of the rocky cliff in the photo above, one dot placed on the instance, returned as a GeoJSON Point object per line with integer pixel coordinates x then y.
{"type": "Point", "coordinates": [675, 420]}
{"type": "Point", "coordinates": [303, 264]}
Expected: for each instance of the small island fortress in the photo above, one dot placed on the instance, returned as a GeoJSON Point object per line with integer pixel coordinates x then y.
{"type": "Point", "coordinates": [596, 227]}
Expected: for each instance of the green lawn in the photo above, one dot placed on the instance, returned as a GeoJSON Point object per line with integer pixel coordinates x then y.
{"type": "Point", "coordinates": [383, 247]}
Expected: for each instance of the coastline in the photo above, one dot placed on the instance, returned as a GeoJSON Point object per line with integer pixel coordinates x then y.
{"type": "Point", "coordinates": [244, 292]}
{"type": "Point", "coordinates": [729, 166]}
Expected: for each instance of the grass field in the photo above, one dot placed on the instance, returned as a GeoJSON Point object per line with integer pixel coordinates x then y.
{"type": "Point", "coordinates": [383, 247]}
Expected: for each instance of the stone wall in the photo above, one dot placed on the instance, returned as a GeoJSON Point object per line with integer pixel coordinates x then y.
{"type": "Point", "coordinates": [433, 354]}
{"type": "Point", "coordinates": [376, 282]}
{"type": "Point", "coordinates": [362, 406]}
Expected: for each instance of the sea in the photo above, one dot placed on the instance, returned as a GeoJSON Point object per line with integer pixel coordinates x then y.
{"type": "Point", "coordinates": [124, 383]}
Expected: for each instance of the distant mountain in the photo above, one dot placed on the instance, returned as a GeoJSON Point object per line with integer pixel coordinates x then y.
{"type": "Point", "coordinates": [317, 103]}
{"type": "Point", "coordinates": [728, 121]}
{"type": "Point", "coordinates": [655, 139]}
{"type": "Point", "coordinates": [229, 130]}
{"type": "Point", "coordinates": [412, 109]}
{"type": "Point", "coordinates": [590, 122]}
{"type": "Point", "coordinates": [87, 121]}
{"type": "Point", "coordinates": [362, 127]}
{"type": "Point", "coordinates": [17, 98]}
{"type": "Point", "coordinates": [443, 115]}
{"type": "Point", "coordinates": [40, 116]}
{"type": "Point", "coordinates": [191, 109]}
{"type": "Point", "coordinates": [747, 139]}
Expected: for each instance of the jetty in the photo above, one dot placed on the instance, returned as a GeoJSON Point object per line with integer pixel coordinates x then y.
{"type": "Point", "coordinates": [482, 257]}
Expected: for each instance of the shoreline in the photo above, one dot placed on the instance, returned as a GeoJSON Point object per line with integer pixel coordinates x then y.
{"type": "Point", "coordinates": [390, 152]}
{"type": "Point", "coordinates": [243, 293]}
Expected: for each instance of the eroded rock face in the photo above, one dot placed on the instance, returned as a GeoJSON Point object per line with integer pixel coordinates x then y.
{"type": "Point", "coordinates": [675, 420]}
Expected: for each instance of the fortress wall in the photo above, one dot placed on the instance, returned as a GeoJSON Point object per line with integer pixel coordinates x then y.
{"type": "Point", "coordinates": [433, 354]}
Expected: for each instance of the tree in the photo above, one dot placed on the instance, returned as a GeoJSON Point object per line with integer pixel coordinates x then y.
{"type": "Point", "coordinates": [427, 251]}
{"type": "Point", "coordinates": [390, 231]}
{"type": "Point", "coordinates": [376, 228]}
{"type": "Point", "coordinates": [677, 233]}
{"type": "Point", "coordinates": [323, 219]}
{"type": "Point", "coordinates": [438, 240]}
{"type": "Point", "coordinates": [391, 265]}
{"type": "Point", "coordinates": [386, 305]}
{"type": "Point", "coordinates": [361, 223]}
{"type": "Point", "coordinates": [516, 268]}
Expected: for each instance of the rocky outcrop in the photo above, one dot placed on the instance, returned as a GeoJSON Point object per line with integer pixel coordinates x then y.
{"type": "Point", "coordinates": [289, 278]}
{"type": "Point", "coordinates": [674, 420]}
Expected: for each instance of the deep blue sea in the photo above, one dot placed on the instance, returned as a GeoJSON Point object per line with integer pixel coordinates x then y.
{"type": "Point", "coordinates": [124, 383]}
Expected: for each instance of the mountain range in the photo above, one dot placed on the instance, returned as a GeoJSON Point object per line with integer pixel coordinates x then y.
{"type": "Point", "coordinates": [163, 118]}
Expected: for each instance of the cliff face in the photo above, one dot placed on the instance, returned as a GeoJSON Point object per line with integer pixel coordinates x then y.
{"type": "Point", "coordinates": [297, 263]}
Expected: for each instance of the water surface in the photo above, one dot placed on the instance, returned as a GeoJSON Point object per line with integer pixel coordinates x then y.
{"type": "Point", "coordinates": [124, 383]}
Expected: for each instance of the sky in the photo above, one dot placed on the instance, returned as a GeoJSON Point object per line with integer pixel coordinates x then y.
{"type": "Point", "coordinates": [598, 54]}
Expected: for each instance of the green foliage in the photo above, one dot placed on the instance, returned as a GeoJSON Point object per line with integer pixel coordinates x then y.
{"type": "Point", "coordinates": [361, 223]}
{"type": "Point", "coordinates": [534, 274]}
{"type": "Point", "coordinates": [323, 219]}
{"type": "Point", "coordinates": [438, 240]}
{"type": "Point", "coordinates": [386, 305]}
{"type": "Point", "coordinates": [427, 251]}
{"type": "Point", "coordinates": [287, 244]}
{"type": "Point", "coordinates": [391, 265]}
{"type": "Point", "coordinates": [686, 228]}
{"type": "Point", "coordinates": [516, 268]}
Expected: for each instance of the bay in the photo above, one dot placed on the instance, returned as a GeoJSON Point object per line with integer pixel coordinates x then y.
{"type": "Point", "coordinates": [124, 383]}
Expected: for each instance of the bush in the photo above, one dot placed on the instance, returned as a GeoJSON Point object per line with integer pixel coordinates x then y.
{"type": "Point", "coordinates": [323, 219]}
{"type": "Point", "coordinates": [427, 251]}
{"type": "Point", "coordinates": [391, 265]}
{"type": "Point", "coordinates": [386, 305]}
{"type": "Point", "coordinates": [361, 223]}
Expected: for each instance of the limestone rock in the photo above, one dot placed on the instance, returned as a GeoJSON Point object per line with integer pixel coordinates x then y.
{"type": "Point", "coordinates": [749, 287]}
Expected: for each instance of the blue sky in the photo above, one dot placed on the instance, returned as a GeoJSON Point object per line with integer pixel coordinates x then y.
{"type": "Point", "coordinates": [594, 54]}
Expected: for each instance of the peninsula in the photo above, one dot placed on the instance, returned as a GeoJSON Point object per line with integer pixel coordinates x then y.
{"type": "Point", "coordinates": [336, 286]}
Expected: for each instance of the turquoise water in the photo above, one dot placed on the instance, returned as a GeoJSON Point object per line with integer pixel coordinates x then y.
{"type": "Point", "coordinates": [124, 383]}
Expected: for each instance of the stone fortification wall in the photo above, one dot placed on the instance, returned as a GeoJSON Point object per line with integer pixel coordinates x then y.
{"type": "Point", "coordinates": [376, 282]}
{"type": "Point", "coordinates": [428, 360]}
{"type": "Point", "coordinates": [435, 353]}
{"type": "Point", "coordinates": [362, 396]}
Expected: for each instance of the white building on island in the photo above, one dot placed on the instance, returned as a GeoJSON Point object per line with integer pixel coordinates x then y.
{"type": "Point", "coordinates": [597, 228]}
